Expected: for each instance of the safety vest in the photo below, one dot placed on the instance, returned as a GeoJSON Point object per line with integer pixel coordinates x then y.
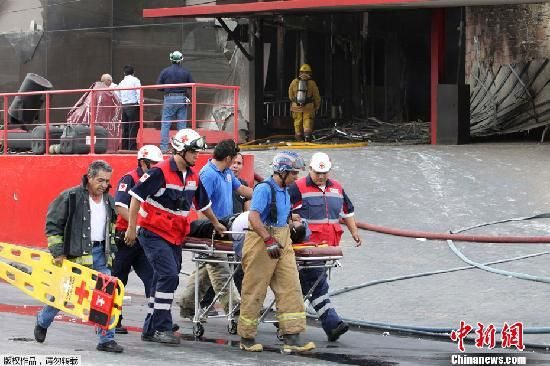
{"type": "Point", "coordinates": [322, 210]}
{"type": "Point", "coordinates": [166, 212]}
{"type": "Point", "coordinates": [121, 224]}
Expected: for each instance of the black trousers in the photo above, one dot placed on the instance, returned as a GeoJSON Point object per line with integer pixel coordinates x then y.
{"type": "Point", "coordinates": [130, 126]}
{"type": "Point", "coordinates": [127, 257]}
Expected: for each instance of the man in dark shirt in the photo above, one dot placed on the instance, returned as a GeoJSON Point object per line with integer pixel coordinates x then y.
{"type": "Point", "coordinates": [175, 99]}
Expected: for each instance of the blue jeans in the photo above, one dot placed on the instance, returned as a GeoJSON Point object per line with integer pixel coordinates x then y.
{"type": "Point", "coordinates": [47, 314]}
{"type": "Point", "coordinates": [174, 108]}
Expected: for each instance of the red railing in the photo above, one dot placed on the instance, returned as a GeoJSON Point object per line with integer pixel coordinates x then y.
{"type": "Point", "coordinates": [48, 108]}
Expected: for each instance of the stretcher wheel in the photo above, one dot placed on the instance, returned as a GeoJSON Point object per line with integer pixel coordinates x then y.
{"type": "Point", "coordinates": [198, 330]}
{"type": "Point", "coordinates": [232, 327]}
{"type": "Point", "coordinates": [280, 335]}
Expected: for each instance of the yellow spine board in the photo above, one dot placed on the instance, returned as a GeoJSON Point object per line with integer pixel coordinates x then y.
{"type": "Point", "coordinates": [67, 287]}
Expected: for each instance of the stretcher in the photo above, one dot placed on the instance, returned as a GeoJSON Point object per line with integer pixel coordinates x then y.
{"type": "Point", "coordinates": [71, 288]}
{"type": "Point", "coordinates": [209, 250]}
{"type": "Point", "coordinates": [205, 250]}
{"type": "Point", "coordinates": [309, 255]}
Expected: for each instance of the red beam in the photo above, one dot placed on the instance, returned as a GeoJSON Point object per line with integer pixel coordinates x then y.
{"type": "Point", "coordinates": [255, 7]}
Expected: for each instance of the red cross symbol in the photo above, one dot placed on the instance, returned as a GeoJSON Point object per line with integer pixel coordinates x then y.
{"type": "Point", "coordinates": [145, 153]}
{"type": "Point", "coordinates": [184, 138]}
{"type": "Point", "coordinates": [82, 292]}
{"type": "Point", "coordinates": [322, 165]}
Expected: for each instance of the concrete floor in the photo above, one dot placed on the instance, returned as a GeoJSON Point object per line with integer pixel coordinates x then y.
{"type": "Point", "coordinates": [434, 188]}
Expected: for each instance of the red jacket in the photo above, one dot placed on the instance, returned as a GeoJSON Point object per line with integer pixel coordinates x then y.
{"type": "Point", "coordinates": [321, 209]}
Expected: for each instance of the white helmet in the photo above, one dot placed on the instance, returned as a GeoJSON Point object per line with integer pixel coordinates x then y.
{"type": "Point", "coordinates": [320, 162]}
{"type": "Point", "coordinates": [176, 56]}
{"type": "Point", "coordinates": [188, 139]}
{"type": "Point", "coordinates": [150, 152]}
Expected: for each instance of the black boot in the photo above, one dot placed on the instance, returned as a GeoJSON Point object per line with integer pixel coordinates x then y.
{"type": "Point", "coordinates": [340, 329]}
{"type": "Point", "coordinates": [293, 343]}
{"type": "Point", "coordinates": [166, 337]}
{"type": "Point", "coordinates": [110, 346]}
{"type": "Point", "coordinates": [119, 328]}
{"type": "Point", "coordinates": [40, 333]}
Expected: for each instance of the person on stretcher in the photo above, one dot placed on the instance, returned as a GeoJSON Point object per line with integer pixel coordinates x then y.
{"type": "Point", "coordinates": [238, 223]}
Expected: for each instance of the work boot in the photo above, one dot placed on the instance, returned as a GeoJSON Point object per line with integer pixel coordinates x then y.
{"type": "Point", "coordinates": [340, 329]}
{"type": "Point", "coordinates": [147, 337]}
{"type": "Point", "coordinates": [299, 138]}
{"type": "Point", "coordinates": [250, 345]}
{"type": "Point", "coordinates": [293, 343]}
{"type": "Point", "coordinates": [307, 138]}
{"type": "Point", "coordinates": [119, 329]}
{"type": "Point", "coordinates": [110, 346]}
{"type": "Point", "coordinates": [40, 333]}
{"type": "Point", "coordinates": [175, 327]}
{"type": "Point", "coordinates": [166, 337]}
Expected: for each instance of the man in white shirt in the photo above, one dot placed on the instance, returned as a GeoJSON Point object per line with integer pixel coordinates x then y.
{"type": "Point", "coordinates": [130, 108]}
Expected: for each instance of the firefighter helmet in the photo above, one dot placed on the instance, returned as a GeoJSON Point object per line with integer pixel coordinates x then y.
{"type": "Point", "coordinates": [305, 68]}
{"type": "Point", "coordinates": [287, 161]}
{"type": "Point", "coordinates": [176, 56]}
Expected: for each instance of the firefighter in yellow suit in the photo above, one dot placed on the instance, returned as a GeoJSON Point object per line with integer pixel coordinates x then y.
{"type": "Point", "coordinates": [268, 260]}
{"type": "Point", "coordinates": [304, 94]}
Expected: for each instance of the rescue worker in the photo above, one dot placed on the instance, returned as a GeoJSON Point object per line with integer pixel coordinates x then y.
{"type": "Point", "coordinates": [268, 259]}
{"type": "Point", "coordinates": [129, 256]}
{"type": "Point", "coordinates": [219, 183]}
{"type": "Point", "coordinates": [322, 202]}
{"type": "Point", "coordinates": [304, 95]}
{"type": "Point", "coordinates": [80, 228]}
{"type": "Point", "coordinates": [163, 197]}
{"type": "Point", "coordinates": [175, 99]}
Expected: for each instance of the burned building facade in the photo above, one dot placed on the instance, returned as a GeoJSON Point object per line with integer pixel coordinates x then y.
{"type": "Point", "coordinates": [368, 62]}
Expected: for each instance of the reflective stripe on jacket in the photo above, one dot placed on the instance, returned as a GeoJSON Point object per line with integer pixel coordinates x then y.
{"type": "Point", "coordinates": [322, 210]}
{"type": "Point", "coordinates": [170, 224]}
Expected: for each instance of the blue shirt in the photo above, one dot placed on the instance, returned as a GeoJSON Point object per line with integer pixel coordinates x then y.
{"type": "Point", "coordinates": [220, 186]}
{"type": "Point", "coordinates": [175, 74]}
{"type": "Point", "coordinates": [261, 203]}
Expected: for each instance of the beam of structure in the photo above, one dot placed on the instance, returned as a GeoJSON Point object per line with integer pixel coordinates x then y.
{"type": "Point", "coordinates": [309, 6]}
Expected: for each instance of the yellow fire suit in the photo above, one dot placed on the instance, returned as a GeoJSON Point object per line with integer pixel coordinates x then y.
{"type": "Point", "coordinates": [303, 115]}
{"type": "Point", "coordinates": [280, 274]}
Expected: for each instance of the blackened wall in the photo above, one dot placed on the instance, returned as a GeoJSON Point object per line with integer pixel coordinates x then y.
{"type": "Point", "coordinates": [72, 43]}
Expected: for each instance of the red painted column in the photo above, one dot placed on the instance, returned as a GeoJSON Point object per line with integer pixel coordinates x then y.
{"type": "Point", "coordinates": [436, 66]}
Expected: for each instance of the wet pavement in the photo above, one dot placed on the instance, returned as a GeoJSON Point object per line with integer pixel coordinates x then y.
{"type": "Point", "coordinates": [429, 188]}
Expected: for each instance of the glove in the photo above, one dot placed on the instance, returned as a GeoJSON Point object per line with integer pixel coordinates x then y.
{"type": "Point", "coordinates": [273, 248]}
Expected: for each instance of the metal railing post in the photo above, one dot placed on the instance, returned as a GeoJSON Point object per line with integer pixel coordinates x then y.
{"type": "Point", "coordinates": [236, 115]}
{"type": "Point", "coordinates": [92, 122]}
{"type": "Point", "coordinates": [5, 124]}
{"type": "Point", "coordinates": [47, 147]}
{"type": "Point", "coordinates": [141, 114]}
{"type": "Point", "coordinates": [193, 107]}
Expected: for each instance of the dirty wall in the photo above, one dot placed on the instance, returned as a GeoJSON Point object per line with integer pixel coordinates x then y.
{"type": "Point", "coordinates": [72, 43]}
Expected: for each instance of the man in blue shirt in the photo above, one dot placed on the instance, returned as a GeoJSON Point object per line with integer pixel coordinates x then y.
{"type": "Point", "coordinates": [175, 99]}
{"type": "Point", "coordinates": [219, 182]}
{"type": "Point", "coordinates": [268, 259]}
